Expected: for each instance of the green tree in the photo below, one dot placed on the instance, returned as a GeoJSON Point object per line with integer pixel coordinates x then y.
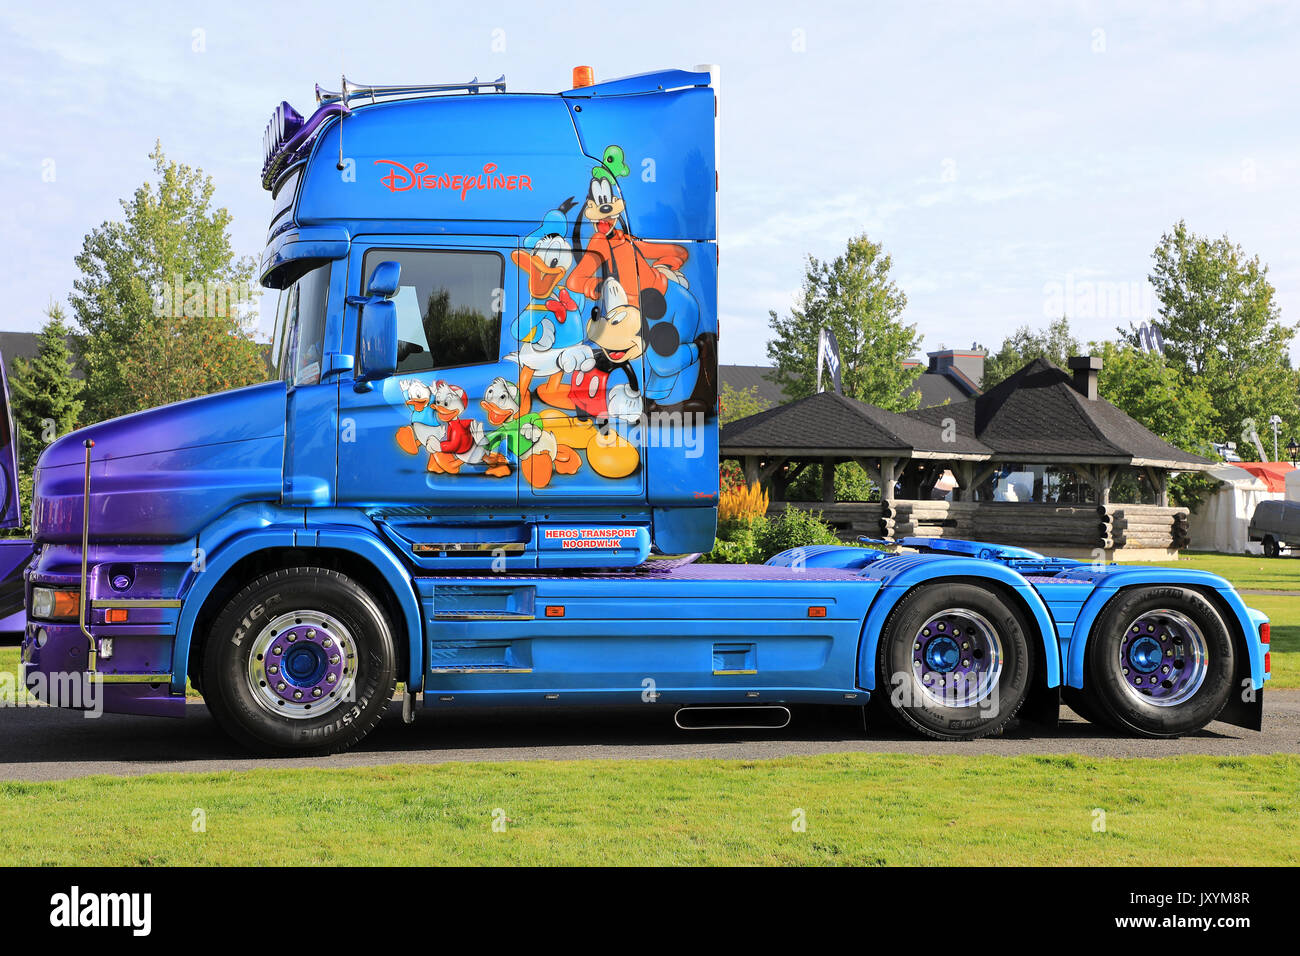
{"type": "Point", "coordinates": [46, 399]}
{"type": "Point", "coordinates": [1154, 392]}
{"type": "Point", "coordinates": [737, 403]}
{"type": "Point", "coordinates": [1056, 343]}
{"type": "Point", "coordinates": [169, 259]}
{"type": "Point", "coordinates": [855, 298]}
{"type": "Point", "coordinates": [1221, 325]}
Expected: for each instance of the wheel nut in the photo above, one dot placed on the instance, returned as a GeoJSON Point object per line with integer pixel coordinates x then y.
{"type": "Point", "coordinates": [311, 632]}
{"type": "Point", "coordinates": [965, 645]}
{"type": "Point", "coordinates": [292, 637]}
{"type": "Point", "coordinates": [297, 695]}
{"type": "Point", "coordinates": [334, 659]}
{"type": "Point", "coordinates": [280, 686]}
{"type": "Point", "coordinates": [277, 650]}
{"type": "Point", "coordinates": [328, 642]}
{"type": "Point", "coordinates": [315, 692]}
{"type": "Point", "coordinates": [965, 663]}
{"type": "Point", "coordinates": [273, 669]}
{"type": "Point", "coordinates": [330, 678]}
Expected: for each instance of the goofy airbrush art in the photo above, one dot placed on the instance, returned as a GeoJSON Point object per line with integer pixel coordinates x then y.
{"type": "Point", "coordinates": [652, 299]}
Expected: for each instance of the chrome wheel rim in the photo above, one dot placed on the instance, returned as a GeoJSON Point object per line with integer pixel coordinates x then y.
{"type": "Point", "coordinates": [1163, 658]}
{"type": "Point", "coordinates": [302, 664]}
{"type": "Point", "coordinates": [957, 658]}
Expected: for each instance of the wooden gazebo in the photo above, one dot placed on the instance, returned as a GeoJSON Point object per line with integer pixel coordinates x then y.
{"type": "Point", "coordinates": [1042, 419]}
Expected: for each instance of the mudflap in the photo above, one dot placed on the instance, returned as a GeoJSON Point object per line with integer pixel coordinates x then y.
{"type": "Point", "coordinates": [1248, 714]}
{"type": "Point", "coordinates": [1042, 705]}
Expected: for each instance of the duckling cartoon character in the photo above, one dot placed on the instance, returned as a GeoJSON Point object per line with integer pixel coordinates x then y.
{"type": "Point", "coordinates": [524, 437]}
{"type": "Point", "coordinates": [425, 429]}
{"type": "Point", "coordinates": [462, 444]}
{"type": "Point", "coordinates": [544, 329]}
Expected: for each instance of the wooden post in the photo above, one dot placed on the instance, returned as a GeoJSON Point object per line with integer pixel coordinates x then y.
{"type": "Point", "coordinates": [828, 481]}
{"type": "Point", "coordinates": [964, 472]}
{"type": "Point", "coordinates": [750, 465]}
{"type": "Point", "coordinates": [1159, 479]}
{"type": "Point", "coordinates": [888, 473]}
{"type": "Point", "coordinates": [1105, 479]}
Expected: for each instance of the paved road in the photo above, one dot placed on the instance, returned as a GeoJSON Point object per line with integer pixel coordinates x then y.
{"type": "Point", "coordinates": [38, 743]}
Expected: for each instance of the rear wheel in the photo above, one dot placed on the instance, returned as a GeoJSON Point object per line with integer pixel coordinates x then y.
{"type": "Point", "coordinates": [1272, 548]}
{"type": "Point", "coordinates": [953, 661]}
{"type": "Point", "coordinates": [1078, 702]}
{"type": "Point", "coordinates": [1160, 662]}
{"type": "Point", "coordinates": [302, 661]}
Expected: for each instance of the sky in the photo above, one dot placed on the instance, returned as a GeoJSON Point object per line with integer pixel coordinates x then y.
{"type": "Point", "coordinates": [1016, 160]}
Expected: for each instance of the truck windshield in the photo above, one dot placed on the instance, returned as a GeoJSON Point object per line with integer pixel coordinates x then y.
{"type": "Point", "coordinates": [448, 306]}
{"type": "Point", "coordinates": [299, 338]}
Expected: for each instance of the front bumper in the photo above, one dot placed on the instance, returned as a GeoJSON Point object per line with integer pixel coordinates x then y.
{"type": "Point", "coordinates": [57, 674]}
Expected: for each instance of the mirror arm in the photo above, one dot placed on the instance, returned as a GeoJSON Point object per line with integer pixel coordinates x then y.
{"type": "Point", "coordinates": [338, 362]}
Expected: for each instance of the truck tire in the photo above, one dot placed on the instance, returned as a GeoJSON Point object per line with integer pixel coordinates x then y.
{"type": "Point", "coordinates": [1078, 702]}
{"type": "Point", "coordinates": [953, 661]}
{"type": "Point", "coordinates": [1272, 549]}
{"type": "Point", "coordinates": [1159, 662]}
{"type": "Point", "coordinates": [300, 662]}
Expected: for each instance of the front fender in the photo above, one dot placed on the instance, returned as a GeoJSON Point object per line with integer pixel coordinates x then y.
{"type": "Point", "coordinates": [902, 573]}
{"type": "Point", "coordinates": [198, 586]}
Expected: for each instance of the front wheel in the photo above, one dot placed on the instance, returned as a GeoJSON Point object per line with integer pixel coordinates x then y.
{"type": "Point", "coordinates": [301, 661]}
{"type": "Point", "coordinates": [1159, 662]}
{"type": "Point", "coordinates": [954, 661]}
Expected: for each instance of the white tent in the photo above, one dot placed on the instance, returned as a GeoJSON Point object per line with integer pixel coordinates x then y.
{"type": "Point", "coordinates": [1222, 521]}
{"type": "Point", "coordinates": [1293, 485]}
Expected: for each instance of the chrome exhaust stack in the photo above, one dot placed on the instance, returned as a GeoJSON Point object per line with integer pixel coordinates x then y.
{"type": "Point", "coordinates": [733, 717]}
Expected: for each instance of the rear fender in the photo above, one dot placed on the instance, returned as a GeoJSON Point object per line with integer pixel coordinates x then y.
{"type": "Point", "coordinates": [901, 576]}
{"type": "Point", "coordinates": [1236, 615]}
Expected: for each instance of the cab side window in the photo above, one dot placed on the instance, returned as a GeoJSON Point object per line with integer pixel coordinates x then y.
{"type": "Point", "coordinates": [298, 343]}
{"type": "Point", "coordinates": [448, 306]}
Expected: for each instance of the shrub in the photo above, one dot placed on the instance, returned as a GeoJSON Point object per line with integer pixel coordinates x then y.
{"type": "Point", "coordinates": [851, 484]}
{"type": "Point", "coordinates": [794, 528]}
{"type": "Point", "coordinates": [737, 541]}
{"type": "Point", "coordinates": [754, 539]}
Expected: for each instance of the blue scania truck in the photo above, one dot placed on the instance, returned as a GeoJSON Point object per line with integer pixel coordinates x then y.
{"type": "Point", "coordinates": [490, 439]}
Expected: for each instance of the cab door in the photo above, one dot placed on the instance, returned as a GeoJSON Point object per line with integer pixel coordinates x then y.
{"type": "Point", "coordinates": [422, 440]}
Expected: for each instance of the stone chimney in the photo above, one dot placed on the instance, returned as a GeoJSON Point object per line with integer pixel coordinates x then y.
{"type": "Point", "coordinates": [1085, 368]}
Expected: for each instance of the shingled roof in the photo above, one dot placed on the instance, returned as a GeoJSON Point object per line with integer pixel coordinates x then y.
{"type": "Point", "coordinates": [827, 424]}
{"type": "Point", "coordinates": [1038, 415]}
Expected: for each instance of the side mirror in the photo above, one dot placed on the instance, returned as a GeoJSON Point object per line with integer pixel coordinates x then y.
{"type": "Point", "coordinates": [378, 357]}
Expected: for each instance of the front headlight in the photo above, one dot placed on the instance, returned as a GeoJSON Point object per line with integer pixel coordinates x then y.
{"type": "Point", "coordinates": [50, 604]}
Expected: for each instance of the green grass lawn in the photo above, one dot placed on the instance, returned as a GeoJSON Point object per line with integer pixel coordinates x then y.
{"type": "Point", "coordinates": [9, 675]}
{"type": "Point", "coordinates": [857, 808]}
{"type": "Point", "coordinates": [1244, 570]}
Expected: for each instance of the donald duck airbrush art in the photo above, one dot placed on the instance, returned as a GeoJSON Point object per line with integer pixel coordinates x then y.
{"type": "Point", "coordinates": [549, 329]}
